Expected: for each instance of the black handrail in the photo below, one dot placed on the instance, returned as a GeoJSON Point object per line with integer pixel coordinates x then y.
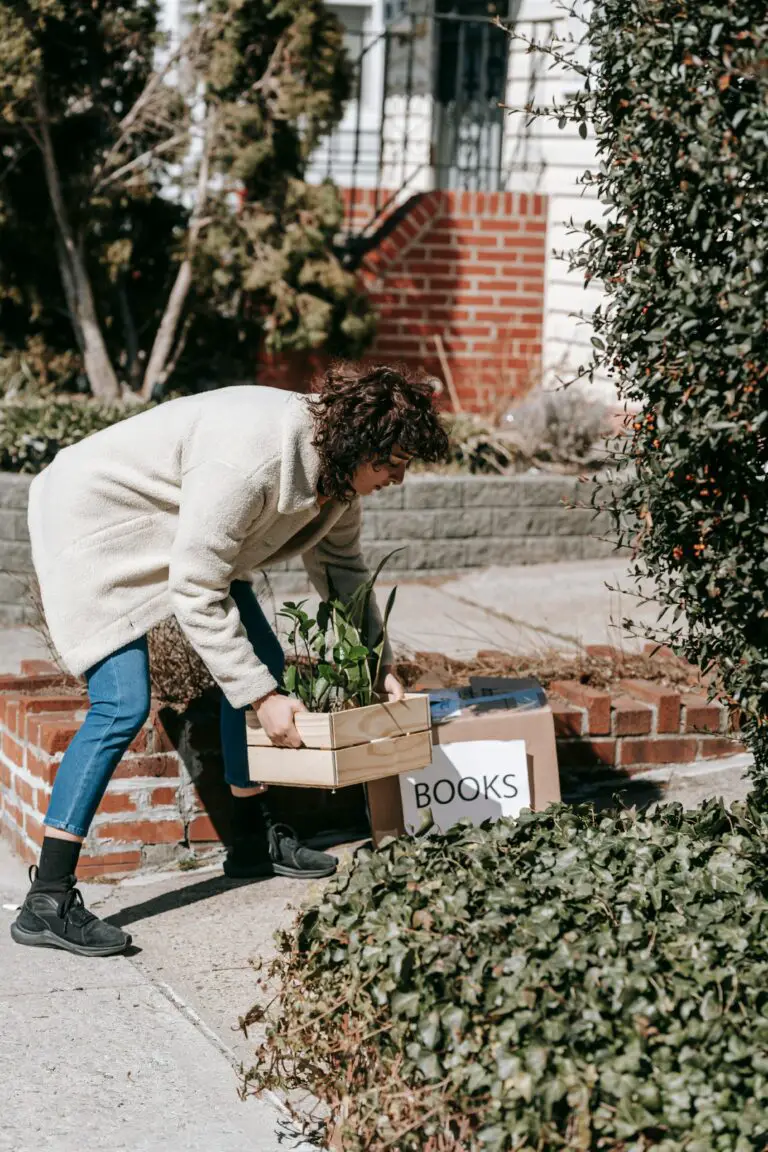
{"type": "Point", "coordinates": [466, 84]}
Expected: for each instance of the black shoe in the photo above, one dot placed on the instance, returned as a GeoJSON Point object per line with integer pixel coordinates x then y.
{"type": "Point", "coordinates": [55, 917]}
{"type": "Point", "coordinates": [277, 854]}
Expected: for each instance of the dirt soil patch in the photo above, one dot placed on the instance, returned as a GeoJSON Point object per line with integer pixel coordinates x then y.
{"type": "Point", "coordinates": [599, 667]}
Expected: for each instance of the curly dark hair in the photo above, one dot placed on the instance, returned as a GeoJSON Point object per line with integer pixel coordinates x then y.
{"type": "Point", "coordinates": [361, 414]}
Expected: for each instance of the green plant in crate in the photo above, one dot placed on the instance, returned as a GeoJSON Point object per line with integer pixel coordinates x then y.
{"type": "Point", "coordinates": [337, 658]}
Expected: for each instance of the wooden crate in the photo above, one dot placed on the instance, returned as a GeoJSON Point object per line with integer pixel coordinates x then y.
{"type": "Point", "coordinates": [343, 748]}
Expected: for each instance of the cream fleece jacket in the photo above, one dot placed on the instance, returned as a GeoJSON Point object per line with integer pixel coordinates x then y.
{"type": "Point", "coordinates": [157, 515]}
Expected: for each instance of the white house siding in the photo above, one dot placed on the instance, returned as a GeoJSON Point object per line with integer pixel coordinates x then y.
{"type": "Point", "coordinates": [336, 155]}
{"type": "Point", "coordinates": [540, 157]}
{"type": "Point", "coordinates": [536, 157]}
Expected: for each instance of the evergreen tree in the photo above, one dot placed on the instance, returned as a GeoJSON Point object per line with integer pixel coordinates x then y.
{"type": "Point", "coordinates": [66, 71]}
{"type": "Point", "coordinates": [153, 213]}
{"type": "Point", "coordinates": [279, 79]}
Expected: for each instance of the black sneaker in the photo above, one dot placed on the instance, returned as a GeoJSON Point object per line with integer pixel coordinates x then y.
{"type": "Point", "coordinates": [56, 917]}
{"type": "Point", "coordinates": [277, 854]}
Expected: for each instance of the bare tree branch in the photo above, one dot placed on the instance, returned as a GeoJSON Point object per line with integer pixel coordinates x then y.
{"type": "Point", "coordinates": [129, 120]}
{"type": "Point", "coordinates": [181, 344]}
{"type": "Point", "coordinates": [147, 108]}
{"type": "Point", "coordinates": [265, 80]}
{"type": "Point", "coordinates": [155, 150]}
{"type": "Point", "coordinates": [33, 135]}
{"type": "Point", "coordinates": [132, 347]}
{"type": "Point", "coordinates": [68, 283]}
{"type": "Point", "coordinates": [161, 349]}
{"type": "Point", "coordinates": [77, 285]}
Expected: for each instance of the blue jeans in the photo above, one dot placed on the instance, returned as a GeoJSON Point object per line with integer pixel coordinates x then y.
{"type": "Point", "coordinates": [119, 692]}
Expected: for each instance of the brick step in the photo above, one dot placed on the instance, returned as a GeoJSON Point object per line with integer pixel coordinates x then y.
{"type": "Point", "coordinates": [153, 812]}
{"type": "Point", "coordinates": [637, 726]}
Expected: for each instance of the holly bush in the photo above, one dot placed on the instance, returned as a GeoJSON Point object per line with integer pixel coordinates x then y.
{"type": "Point", "coordinates": [567, 980]}
{"type": "Point", "coordinates": [677, 96]}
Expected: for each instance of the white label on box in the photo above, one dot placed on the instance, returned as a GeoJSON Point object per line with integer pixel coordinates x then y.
{"type": "Point", "coordinates": [478, 779]}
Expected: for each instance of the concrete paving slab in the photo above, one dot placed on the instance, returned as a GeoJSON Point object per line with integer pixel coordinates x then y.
{"type": "Point", "coordinates": [692, 784]}
{"type": "Point", "coordinates": [687, 784]}
{"type": "Point", "coordinates": [431, 619]}
{"type": "Point", "coordinates": [17, 644]}
{"type": "Point", "coordinates": [562, 605]}
{"type": "Point", "coordinates": [519, 608]}
{"type": "Point", "coordinates": [95, 1055]}
{"type": "Point", "coordinates": [151, 1083]}
{"type": "Point", "coordinates": [488, 610]}
{"type": "Point", "coordinates": [202, 936]}
{"type": "Point", "coordinates": [206, 936]}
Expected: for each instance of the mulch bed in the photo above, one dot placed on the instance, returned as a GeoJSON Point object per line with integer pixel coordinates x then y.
{"type": "Point", "coordinates": [598, 666]}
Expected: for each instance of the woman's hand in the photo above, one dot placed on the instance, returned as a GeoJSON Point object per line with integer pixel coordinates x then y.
{"type": "Point", "coordinates": [392, 686]}
{"type": "Point", "coordinates": [277, 716]}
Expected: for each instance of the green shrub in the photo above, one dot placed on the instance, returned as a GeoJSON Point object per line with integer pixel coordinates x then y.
{"type": "Point", "coordinates": [35, 370]}
{"type": "Point", "coordinates": [677, 96]}
{"type": "Point", "coordinates": [33, 431]}
{"type": "Point", "coordinates": [568, 980]}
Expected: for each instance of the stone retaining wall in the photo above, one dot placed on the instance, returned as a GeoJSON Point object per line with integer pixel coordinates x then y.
{"type": "Point", "coordinates": [450, 524]}
{"type": "Point", "coordinates": [443, 524]}
{"type": "Point", "coordinates": [15, 554]}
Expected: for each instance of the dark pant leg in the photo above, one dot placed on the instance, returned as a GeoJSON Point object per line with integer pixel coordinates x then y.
{"type": "Point", "coordinates": [267, 648]}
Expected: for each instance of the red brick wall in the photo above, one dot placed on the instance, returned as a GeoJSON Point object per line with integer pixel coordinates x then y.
{"type": "Point", "coordinates": [361, 205]}
{"type": "Point", "coordinates": [467, 266]}
{"type": "Point", "coordinates": [295, 371]}
{"type": "Point", "coordinates": [152, 810]}
{"type": "Point", "coordinates": [148, 804]}
{"type": "Point", "coordinates": [641, 725]}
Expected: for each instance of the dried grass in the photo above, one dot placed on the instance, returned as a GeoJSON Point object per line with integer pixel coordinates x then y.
{"type": "Point", "coordinates": [177, 673]}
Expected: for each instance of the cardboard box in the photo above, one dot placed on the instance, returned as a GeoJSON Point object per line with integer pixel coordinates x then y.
{"type": "Point", "coordinates": [342, 748]}
{"type": "Point", "coordinates": [488, 714]}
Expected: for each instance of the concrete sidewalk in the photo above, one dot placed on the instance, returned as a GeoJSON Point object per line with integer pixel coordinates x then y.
{"type": "Point", "coordinates": [108, 1055]}
{"type": "Point", "coordinates": [520, 608]}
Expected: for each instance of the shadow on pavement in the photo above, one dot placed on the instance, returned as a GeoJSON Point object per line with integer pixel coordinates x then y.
{"type": "Point", "coordinates": [289, 1136]}
{"type": "Point", "coordinates": [179, 898]}
{"type": "Point", "coordinates": [610, 790]}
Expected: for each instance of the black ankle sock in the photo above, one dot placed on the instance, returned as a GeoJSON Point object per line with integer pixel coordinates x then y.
{"type": "Point", "coordinates": [250, 816]}
{"type": "Point", "coordinates": [58, 860]}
